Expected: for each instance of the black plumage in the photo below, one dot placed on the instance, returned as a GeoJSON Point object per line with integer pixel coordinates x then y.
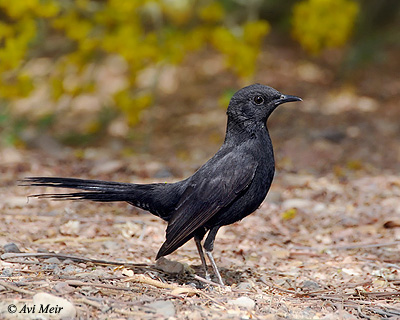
{"type": "Point", "coordinates": [227, 188]}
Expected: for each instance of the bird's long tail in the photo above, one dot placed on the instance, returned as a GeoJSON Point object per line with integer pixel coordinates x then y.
{"type": "Point", "coordinates": [95, 190]}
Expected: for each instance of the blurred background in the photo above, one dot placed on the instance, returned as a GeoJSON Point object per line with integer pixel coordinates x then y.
{"type": "Point", "coordinates": [140, 88]}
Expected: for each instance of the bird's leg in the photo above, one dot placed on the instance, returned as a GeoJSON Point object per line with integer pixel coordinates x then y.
{"type": "Point", "coordinates": [209, 246]}
{"type": "Point", "coordinates": [202, 257]}
{"type": "Point", "coordinates": [214, 266]}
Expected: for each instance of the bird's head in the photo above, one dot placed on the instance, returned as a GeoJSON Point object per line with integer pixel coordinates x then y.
{"type": "Point", "coordinates": [256, 102]}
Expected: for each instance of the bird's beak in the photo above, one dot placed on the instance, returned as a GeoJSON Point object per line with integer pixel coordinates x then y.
{"type": "Point", "coordinates": [286, 98]}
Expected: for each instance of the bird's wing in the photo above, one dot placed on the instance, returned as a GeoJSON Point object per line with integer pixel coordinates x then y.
{"type": "Point", "coordinates": [210, 189]}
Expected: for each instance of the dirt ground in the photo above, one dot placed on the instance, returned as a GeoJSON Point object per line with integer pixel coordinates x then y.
{"type": "Point", "coordinates": [324, 245]}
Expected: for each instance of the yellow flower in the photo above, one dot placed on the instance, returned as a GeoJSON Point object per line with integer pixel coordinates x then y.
{"type": "Point", "coordinates": [320, 24]}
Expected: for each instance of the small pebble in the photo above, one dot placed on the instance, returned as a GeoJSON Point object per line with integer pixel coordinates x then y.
{"type": "Point", "coordinates": [63, 287]}
{"type": "Point", "coordinates": [164, 307]}
{"type": "Point", "coordinates": [52, 260]}
{"type": "Point", "coordinates": [243, 302]}
{"type": "Point", "coordinates": [57, 271]}
{"type": "Point", "coordinates": [70, 269]}
{"type": "Point", "coordinates": [49, 266]}
{"type": "Point", "coordinates": [68, 261]}
{"type": "Point", "coordinates": [11, 247]}
{"type": "Point", "coordinates": [244, 286]}
{"type": "Point", "coordinates": [311, 285]}
{"type": "Point", "coordinates": [169, 266]}
{"type": "Point", "coordinates": [7, 272]}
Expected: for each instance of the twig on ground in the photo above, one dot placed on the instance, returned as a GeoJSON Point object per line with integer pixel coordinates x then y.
{"type": "Point", "coordinates": [382, 294]}
{"type": "Point", "coordinates": [15, 288]}
{"type": "Point", "coordinates": [77, 283]}
{"type": "Point", "coordinates": [46, 255]}
{"type": "Point", "coordinates": [206, 281]}
{"type": "Point", "coordinates": [385, 313]}
{"type": "Point", "coordinates": [24, 262]}
{"type": "Point", "coordinates": [139, 278]}
{"type": "Point", "coordinates": [89, 302]}
{"type": "Point", "coordinates": [362, 314]}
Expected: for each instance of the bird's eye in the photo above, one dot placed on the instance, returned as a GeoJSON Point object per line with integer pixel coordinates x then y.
{"type": "Point", "coordinates": [258, 100]}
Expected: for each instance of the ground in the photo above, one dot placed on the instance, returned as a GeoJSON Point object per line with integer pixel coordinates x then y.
{"type": "Point", "coordinates": [324, 244]}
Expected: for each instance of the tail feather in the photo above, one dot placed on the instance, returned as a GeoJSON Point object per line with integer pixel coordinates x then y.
{"type": "Point", "coordinates": [97, 190]}
{"type": "Point", "coordinates": [158, 198]}
{"type": "Point", "coordinates": [74, 183]}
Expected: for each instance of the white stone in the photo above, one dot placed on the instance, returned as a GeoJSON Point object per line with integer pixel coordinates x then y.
{"type": "Point", "coordinates": [243, 302]}
{"type": "Point", "coordinates": [53, 307]}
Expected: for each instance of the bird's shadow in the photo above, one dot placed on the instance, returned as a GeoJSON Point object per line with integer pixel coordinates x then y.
{"type": "Point", "coordinates": [192, 275]}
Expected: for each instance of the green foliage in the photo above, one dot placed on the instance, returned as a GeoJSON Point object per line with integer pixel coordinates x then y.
{"type": "Point", "coordinates": [320, 24]}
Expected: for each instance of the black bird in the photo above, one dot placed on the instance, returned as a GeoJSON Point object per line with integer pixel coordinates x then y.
{"type": "Point", "coordinates": [227, 188]}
